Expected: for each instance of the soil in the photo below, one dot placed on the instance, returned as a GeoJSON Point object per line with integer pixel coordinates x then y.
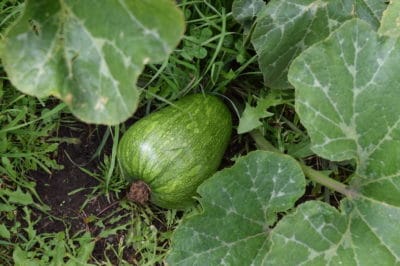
{"type": "Point", "coordinates": [67, 190]}
{"type": "Point", "coordinates": [54, 188]}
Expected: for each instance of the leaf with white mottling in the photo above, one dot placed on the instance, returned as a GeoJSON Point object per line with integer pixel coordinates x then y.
{"type": "Point", "coordinates": [369, 10]}
{"type": "Point", "coordinates": [390, 24]}
{"type": "Point", "coordinates": [240, 204]}
{"type": "Point", "coordinates": [365, 233]}
{"type": "Point", "coordinates": [347, 95]}
{"type": "Point", "coordinates": [89, 53]}
{"type": "Point", "coordinates": [244, 11]}
{"type": "Point", "coordinates": [286, 28]}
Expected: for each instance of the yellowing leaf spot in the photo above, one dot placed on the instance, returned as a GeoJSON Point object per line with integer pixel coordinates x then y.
{"type": "Point", "coordinates": [68, 98]}
{"type": "Point", "coordinates": [100, 103]}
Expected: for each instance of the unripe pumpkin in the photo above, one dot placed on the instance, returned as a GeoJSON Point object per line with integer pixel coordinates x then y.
{"type": "Point", "coordinates": [169, 153]}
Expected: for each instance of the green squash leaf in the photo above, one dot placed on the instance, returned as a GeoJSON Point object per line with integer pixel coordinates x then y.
{"type": "Point", "coordinates": [244, 11]}
{"type": "Point", "coordinates": [346, 86]}
{"type": "Point", "coordinates": [390, 24]}
{"type": "Point", "coordinates": [89, 53]}
{"type": "Point", "coordinates": [369, 10]}
{"type": "Point", "coordinates": [286, 28]}
{"type": "Point", "coordinates": [364, 233]}
{"type": "Point", "coordinates": [347, 97]}
{"type": "Point", "coordinates": [240, 205]}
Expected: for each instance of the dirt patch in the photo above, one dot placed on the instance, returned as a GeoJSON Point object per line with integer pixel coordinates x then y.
{"type": "Point", "coordinates": [55, 189]}
{"type": "Point", "coordinates": [68, 191]}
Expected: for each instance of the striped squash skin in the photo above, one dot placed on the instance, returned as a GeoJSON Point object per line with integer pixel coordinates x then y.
{"type": "Point", "coordinates": [176, 148]}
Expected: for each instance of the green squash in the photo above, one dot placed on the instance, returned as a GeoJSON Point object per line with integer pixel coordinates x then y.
{"type": "Point", "coordinates": [172, 151]}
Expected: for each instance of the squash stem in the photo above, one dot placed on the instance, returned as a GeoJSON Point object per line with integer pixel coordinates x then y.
{"type": "Point", "coordinates": [262, 143]}
{"type": "Point", "coordinates": [326, 181]}
{"type": "Point", "coordinates": [139, 192]}
{"type": "Point", "coordinates": [313, 175]}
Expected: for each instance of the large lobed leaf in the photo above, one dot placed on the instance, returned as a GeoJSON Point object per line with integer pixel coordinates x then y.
{"type": "Point", "coordinates": [240, 205]}
{"type": "Point", "coordinates": [89, 53]}
{"type": "Point", "coordinates": [347, 95]}
{"type": "Point", "coordinates": [286, 28]}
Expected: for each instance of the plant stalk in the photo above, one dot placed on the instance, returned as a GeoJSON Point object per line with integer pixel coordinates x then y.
{"type": "Point", "coordinates": [326, 181]}
{"type": "Point", "coordinates": [262, 143]}
{"type": "Point", "coordinates": [313, 175]}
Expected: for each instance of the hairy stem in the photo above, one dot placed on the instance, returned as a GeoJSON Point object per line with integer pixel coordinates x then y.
{"type": "Point", "coordinates": [262, 143]}
{"type": "Point", "coordinates": [328, 182]}
{"type": "Point", "coordinates": [312, 174]}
